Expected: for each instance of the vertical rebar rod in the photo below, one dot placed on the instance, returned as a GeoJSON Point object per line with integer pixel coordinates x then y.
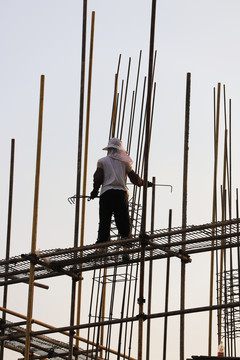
{"type": "Point", "coordinates": [125, 97]}
{"type": "Point", "coordinates": [214, 210]}
{"type": "Point", "coordinates": [122, 314]}
{"type": "Point", "coordinates": [35, 221]}
{"type": "Point", "coordinates": [167, 291]}
{"type": "Point", "coordinates": [109, 330]}
{"type": "Point", "coordinates": [184, 212]}
{"type": "Point", "coordinates": [238, 248]}
{"type": "Point", "coordinates": [103, 308]}
{"type": "Point", "coordinates": [114, 108]}
{"type": "Point", "coordinates": [100, 316]}
{"type": "Point", "coordinates": [85, 164]}
{"type": "Point", "coordinates": [9, 227]}
{"type": "Point", "coordinates": [120, 110]}
{"type": "Point", "coordinates": [128, 305]}
{"type": "Point", "coordinates": [138, 150]}
{"type": "Point", "coordinates": [230, 215]}
{"type": "Point", "coordinates": [96, 308]}
{"type": "Point", "coordinates": [146, 159]}
{"type": "Point", "coordinates": [150, 274]}
{"type": "Point", "coordinates": [223, 251]}
{"type": "Point", "coordinates": [140, 140]}
{"type": "Point", "coordinates": [135, 98]}
{"type": "Point", "coordinates": [133, 310]}
{"type": "Point", "coordinates": [79, 166]}
{"type": "Point", "coordinates": [115, 102]}
{"type": "Point", "coordinates": [130, 123]}
{"type": "Point", "coordinates": [90, 308]}
{"type": "Point", "coordinates": [230, 158]}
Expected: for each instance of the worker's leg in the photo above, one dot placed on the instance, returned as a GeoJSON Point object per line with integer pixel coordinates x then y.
{"type": "Point", "coordinates": [121, 213]}
{"type": "Point", "coordinates": [105, 214]}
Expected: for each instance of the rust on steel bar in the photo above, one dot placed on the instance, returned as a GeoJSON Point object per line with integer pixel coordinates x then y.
{"type": "Point", "coordinates": [35, 220]}
{"type": "Point", "coordinates": [141, 299]}
{"type": "Point", "coordinates": [214, 210]}
{"type": "Point", "coordinates": [79, 164]}
{"type": "Point", "coordinates": [9, 223]}
{"type": "Point", "coordinates": [150, 274]}
{"type": "Point", "coordinates": [165, 333]}
{"type": "Point", "coordinates": [184, 211]}
{"type": "Point", "coordinates": [85, 162]}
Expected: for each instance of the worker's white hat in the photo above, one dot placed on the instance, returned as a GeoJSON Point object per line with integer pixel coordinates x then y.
{"type": "Point", "coordinates": [115, 143]}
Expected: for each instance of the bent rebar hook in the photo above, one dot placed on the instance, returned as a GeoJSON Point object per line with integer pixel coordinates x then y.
{"type": "Point", "coordinates": [72, 199]}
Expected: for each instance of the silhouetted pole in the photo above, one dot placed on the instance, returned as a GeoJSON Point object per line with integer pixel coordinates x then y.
{"type": "Point", "coordinates": [184, 212]}
{"type": "Point", "coordinates": [114, 109]}
{"type": "Point", "coordinates": [5, 291]}
{"type": "Point", "coordinates": [141, 299]}
{"type": "Point", "coordinates": [79, 163]}
{"type": "Point", "coordinates": [150, 274]}
{"type": "Point", "coordinates": [214, 209]}
{"type": "Point", "coordinates": [35, 219]}
{"type": "Point", "coordinates": [85, 163]}
{"type": "Point", "coordinates": [167, 291]}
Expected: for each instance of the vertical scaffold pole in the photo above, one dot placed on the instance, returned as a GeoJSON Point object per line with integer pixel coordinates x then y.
{"type": "Point", "coordinates": [5, 291]}
{"type": "Point", "coordinates": [35, 219]}
{"type": "Point", "coordinates": [146, 158]}
{"type": "Point", "coordinates": [167, 291]}
{"type": "Point", "coordinates": [184, 212]}
{"type": "Point", "coordinates": [85, 163]}
{"type": "Point", "coordinates": [150, 275]}
{"type": "Point", "coordinates": [79, 164]}
{"type": "Point", "coordinates": [214, 210]}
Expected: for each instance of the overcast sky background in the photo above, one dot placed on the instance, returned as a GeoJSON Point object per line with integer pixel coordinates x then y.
{"type": "Point", "coordinates": [44, 37]}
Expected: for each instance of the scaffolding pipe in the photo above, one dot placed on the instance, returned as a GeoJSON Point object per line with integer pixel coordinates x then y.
{"type": "Point", "coordinates": [129, 319]}
{"type": "Point", "coordinates": [103, 305]}
{"type": "Point", "coordinates": [9, 223]}
{"type": "Point", "coordinates": [214, 210]}
{"type": "Point", "coordinates": [85, 163]}
{"type": "Point", "coordinates": [146, 153]}
{"type": "Point", "coordinates": [167, 292]}
{"type": "Point", "coordinates": [223, 251]}
{"type": "Point", "coordinates": [35, 220]}
{"type": "Point", "coordinates": [184, 212]}
{"type": "Point", "coordinates": [150, 275]}
{"type": "Point", "coordinates": [79, 164]}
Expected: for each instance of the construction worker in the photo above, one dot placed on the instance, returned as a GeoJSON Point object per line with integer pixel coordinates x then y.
{"type": "Point", "coordinates": [111, 174]}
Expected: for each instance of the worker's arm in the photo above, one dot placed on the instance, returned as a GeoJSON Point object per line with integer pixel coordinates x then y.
{"type": "Point", "coordinates": [136, 180]}
{"type": "Point", "coordinates": [97, 182]}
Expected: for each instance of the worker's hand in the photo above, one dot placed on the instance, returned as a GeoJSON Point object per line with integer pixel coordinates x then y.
{"type": "Point", "coordinates": [93, 194]}
{"type": "Point", "coordinates": [149, 184]}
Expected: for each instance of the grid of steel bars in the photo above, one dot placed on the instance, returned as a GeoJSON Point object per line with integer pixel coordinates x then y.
{"type": "Point", "coordinates": [111, 274]}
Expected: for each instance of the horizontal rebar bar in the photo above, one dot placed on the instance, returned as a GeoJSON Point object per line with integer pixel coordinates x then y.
{"type": "Point", "coordinates": [130, 319]}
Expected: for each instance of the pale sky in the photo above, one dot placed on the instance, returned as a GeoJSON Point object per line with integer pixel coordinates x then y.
{"type": "Point", "coordinates": [44, 37]}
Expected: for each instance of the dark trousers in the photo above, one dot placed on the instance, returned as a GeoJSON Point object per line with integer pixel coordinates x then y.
{"type": "Point", "coordinates": [113, 202]}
